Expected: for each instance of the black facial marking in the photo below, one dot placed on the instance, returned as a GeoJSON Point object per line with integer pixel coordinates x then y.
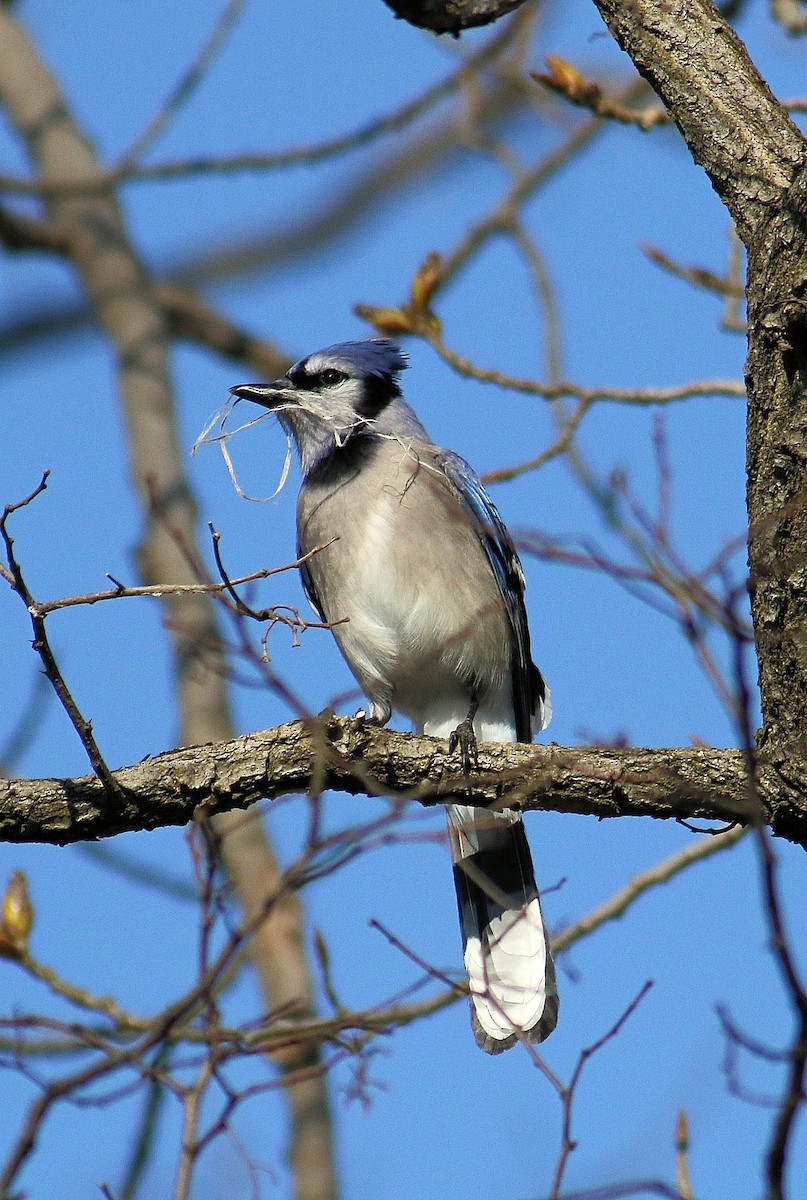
{"type": "Point", "coordinates": [377, 393]}
{"type": "Point", "coordinates": [297, 375]}
{"type": "Point", "coordinates": [314, 381]}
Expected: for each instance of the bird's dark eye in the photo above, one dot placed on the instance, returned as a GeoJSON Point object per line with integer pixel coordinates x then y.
{"type": "Point", "coordinates": [331, 376]}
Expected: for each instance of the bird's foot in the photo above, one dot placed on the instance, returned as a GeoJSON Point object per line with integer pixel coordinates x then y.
{"type": "Point", "coordinates": [463, 739]}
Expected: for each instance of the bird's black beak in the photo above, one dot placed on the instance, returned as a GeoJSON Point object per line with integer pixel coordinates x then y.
{"type": "Point", "coordinates": [268, 395]}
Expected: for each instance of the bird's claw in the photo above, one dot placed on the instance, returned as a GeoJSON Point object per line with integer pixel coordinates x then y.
{"type": "Point", "coordinates": [463, 739]}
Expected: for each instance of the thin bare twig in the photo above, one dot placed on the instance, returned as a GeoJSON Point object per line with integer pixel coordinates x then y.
{"type": "Point", "coordinates": [433, 973]}
{"type": "Point", "coordinates": [143, 1144]}
{"type": "Point", "coordinates": [568, 1092]}
{"type": "Point", "coordinates": [616, 906]}
{"type": "Point", "coordinates": [525, 186]}
{"type": "Point", "coordinates": [273, 615]}
{"type": "Point", "coordinates": [355, 139]}
{"type": "Point", "coordinates": [698, 276]}
{"type": "Point", "coordinates": [557, 391]}
{"type": "Point", "coordinates": [183, 89]}
{"type": "Point", "coordinates": [42, 646]}
{"type": "Point", "coordinates": [565, 80]}
{"type": "Point", "coordinates": [736, 1040]}
{"type": "Point", "coordinates": [794, 1095]}
{"type": "Point", "coordinates": [122, 591]}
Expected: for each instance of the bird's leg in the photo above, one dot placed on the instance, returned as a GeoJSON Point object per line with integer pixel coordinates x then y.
{"type": "Point", "coordinates": [464, 739]}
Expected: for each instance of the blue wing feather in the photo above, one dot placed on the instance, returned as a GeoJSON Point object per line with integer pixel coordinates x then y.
{"type": "Point", "coordinates": [529, 689]}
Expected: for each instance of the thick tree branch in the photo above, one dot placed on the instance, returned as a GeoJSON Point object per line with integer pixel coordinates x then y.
{"type": "Point", "coordinates": [300, 237]}
{"type": "Point", "coordinates": [186, 314]}
{"type": "Point", "coordinates": [733, 124]}
{"type": "Point", "coordinates": [776, 375]}
{"type": "Point", "coordinates": [757, 160]}
{"type": "Point", "coordinates": [337, 753]}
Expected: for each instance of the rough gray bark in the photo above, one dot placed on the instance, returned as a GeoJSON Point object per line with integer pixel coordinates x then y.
{"type": "Point", "coordinates": [776, 375]}
{"type": "Point", "coordinates": [732, 123]}
{"type": "Point", "coordinates": [336, 753]}
{"type": "Point", "coordinates": [756, 158]}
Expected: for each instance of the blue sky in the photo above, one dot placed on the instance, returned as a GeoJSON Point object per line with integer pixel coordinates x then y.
{"type": "Point", "coordinates": [445, 1121]}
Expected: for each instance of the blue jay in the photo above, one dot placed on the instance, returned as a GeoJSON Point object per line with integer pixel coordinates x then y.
{"type": "Point", "coordinates": [431, 584]}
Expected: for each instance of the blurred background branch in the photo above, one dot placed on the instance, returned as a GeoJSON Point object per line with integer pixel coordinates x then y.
{"type": "Point", "coordinates": [306, 164]}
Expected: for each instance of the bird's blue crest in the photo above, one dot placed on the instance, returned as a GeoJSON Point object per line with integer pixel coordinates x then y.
{"type": "Point", "coordinates": [376, 356]}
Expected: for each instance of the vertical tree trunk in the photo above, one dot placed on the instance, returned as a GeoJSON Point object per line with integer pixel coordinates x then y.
{"type": "Point", "coordinates": [756, 159]}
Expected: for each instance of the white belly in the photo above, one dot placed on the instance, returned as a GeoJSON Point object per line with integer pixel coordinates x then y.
{"type": "Point", "coordinates": [426, 623]}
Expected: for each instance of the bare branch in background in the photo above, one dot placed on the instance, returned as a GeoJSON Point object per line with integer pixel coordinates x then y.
{"type": "Point", "coordinates": [568, 1091]}
{"type": "Point", "coordinates": [190, 1059]}
{"type": "Point", "coordinates": [791, 15]}
{"type": "Point", "coordinates": [299, 236]}
{"type": "Point", "coordinates": [698, 276]}
{"type": "Point", "coordinates": [395, 122]}
{"type": "Point", "coordinates": [110, 270]}
{"type": "Point", "coordinates": [41, 643]}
